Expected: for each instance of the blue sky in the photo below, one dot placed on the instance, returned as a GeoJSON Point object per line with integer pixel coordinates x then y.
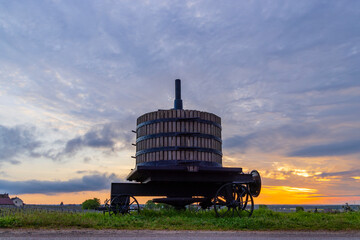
{"type": "Point", "coordinates": [283, 75]}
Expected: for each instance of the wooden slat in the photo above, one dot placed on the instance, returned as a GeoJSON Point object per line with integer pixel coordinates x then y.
{"type": "Point", "coordinates": [174, 155]}
{"type": "Point", "coordinates": [185, 141]}
{"type": "Point", "coordinates": [173, 115]}
{"type": "Point", "coordinates": [191, 143]}
{"type": "Point", "coordinates": [157, 145]}
{"type": "Point", "coordinates": [178, 141]}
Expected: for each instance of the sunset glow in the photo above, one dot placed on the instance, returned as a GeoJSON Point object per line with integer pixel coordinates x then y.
{"type": "Point", "coordinates": [284, 78]}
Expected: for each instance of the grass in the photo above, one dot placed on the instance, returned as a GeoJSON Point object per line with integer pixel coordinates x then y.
{"type": "Point", "coordinates": [262, 219]}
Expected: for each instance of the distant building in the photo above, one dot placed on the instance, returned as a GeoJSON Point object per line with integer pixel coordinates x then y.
{"type": "Point", "coordinates": [17, 202]}
{"type": "Point", "coordinates": [5, 200]}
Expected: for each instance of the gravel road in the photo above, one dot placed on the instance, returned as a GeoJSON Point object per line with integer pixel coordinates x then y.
{"type": "Point", "coordinates": [154, 235]}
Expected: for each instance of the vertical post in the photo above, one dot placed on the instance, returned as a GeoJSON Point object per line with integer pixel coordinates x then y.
{"type": "Point", "coordinates": [178, 102]}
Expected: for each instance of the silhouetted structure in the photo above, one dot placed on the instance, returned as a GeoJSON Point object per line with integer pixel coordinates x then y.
{"type": "Point", "coordinates": [179, 155]}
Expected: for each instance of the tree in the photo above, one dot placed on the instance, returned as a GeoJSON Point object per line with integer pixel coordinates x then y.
{"type": "Point", "coordinates": [91, 203]}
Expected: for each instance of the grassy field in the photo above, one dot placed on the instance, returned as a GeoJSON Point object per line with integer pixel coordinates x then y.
{"type": "Point", "coordinates": [262, 219]}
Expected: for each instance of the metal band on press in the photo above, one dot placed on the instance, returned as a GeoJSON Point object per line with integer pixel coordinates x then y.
{"type": "Point", "coordinates": [150, 150]}
{"type": "Point", "coordinates": [178, 120]}
{"type": "Point", "coordinates": [176, 134]}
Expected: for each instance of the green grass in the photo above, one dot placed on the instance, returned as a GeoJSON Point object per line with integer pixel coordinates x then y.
{"type": "Point", "coordinates": [262, 219]}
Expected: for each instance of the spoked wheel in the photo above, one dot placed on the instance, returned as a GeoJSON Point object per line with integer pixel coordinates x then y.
{"type": "Point", "coordinates": [106, 207]}
{"type": "Point", "coordinates": [255, 186]}
{"type": "Point", "coordinates": [124, 204]}
{"type": "Point", "coordinates": [233, 200]}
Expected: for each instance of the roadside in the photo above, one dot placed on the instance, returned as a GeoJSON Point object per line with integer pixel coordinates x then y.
{"type": "Point", "coordinates": [19, 234]}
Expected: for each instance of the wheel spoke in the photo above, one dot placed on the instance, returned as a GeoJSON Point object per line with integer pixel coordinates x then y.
{"type": "Point", "coordinates": [235, 197]}
{"type": "Point", "coordinates": [237, 211]}
{"type": "Point", "coordinates": [226, 211]}
{"type": "Point", "coordinates": [220, 203]}
{"type": "Point", "coordinates": [123, 204]}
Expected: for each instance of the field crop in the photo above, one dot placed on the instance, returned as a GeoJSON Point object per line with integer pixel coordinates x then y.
{"type": "Point", "coordinates": [262, 219]}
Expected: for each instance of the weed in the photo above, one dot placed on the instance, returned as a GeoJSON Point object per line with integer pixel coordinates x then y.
{"type": "Point", "coordinates": [262, 219]}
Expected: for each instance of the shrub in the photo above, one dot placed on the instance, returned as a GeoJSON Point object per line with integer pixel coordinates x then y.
{"type": "Point", "coordinates": [157, 206]}
{"type": "Point", "coordinates": [299, 209]}
{"type": "Point", "coordinates": [91, 203]}
{"type": "Point", "coordinates": [263, 206]}
{"type": "Point", "coordinates": [150, 205]}
{"type": "Point", "coordinates": [164, 206]}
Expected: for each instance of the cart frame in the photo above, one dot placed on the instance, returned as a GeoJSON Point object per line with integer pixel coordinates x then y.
{"type": "Point", "coordinates": [184, 184]}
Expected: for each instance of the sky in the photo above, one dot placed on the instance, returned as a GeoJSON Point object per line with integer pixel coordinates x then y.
{"type": "Point", "coordinates": [284, 77]}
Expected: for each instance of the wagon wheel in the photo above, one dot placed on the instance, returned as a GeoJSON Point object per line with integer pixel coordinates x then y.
{"type": "Point", "coordinates": [255, 186]}
{"type": "Point", "coordinates": [233, 199]}
{"type": "Point", "coordinates": [106, 206]}
{"type": "Point", "coordinates": [124, 204]}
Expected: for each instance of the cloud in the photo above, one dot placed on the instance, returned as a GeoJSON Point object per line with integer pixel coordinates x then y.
{"type": "Point", "coordinates": [337, 195]}
{"type": "Point", "coordinates": [111, 136]}
{"type": "Point", "coordinates": [241, 142]}
{"type": "Point", "coordinates": [22, 140]}
{"type": "Point", "coordinates": [271, 139]}
{"type": "Point", "coordinates": [330, 149]}
{"type": "Point", "coordinates": [350, 173]}
{"type": "Point", "coordinates": [125, 51]}
{"type": "Point", "coordinates": [94, 182]}
{"type": "Point", "coordinates": [283, 76]}
{"type": "Point", "coordinates": [18, 140]}
{"type": "Point", "coordinates": [87, 159]}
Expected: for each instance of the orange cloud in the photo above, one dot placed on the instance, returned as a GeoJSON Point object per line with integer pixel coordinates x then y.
{"type": "Point", "coordinates": [287, 195]}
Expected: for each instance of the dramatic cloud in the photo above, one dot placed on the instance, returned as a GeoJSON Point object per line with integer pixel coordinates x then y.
{"type": "Point", "coordinates": [331, 149]}
{"type": "Point", "coordinates": [272, 139]}
{"type": "Point", "coordinates": [282, 75]}
{"type": "Point", "coordinates": [261, 52]}
{"type": "Point", "coordinates": [94, 182]}
{"type": "Point", "coordinates": [107, 136]}
{"type": "Point", "coordinates": [351, 173]}
{"type": "Point", "coordinates": [21, 141]}
{"type": "Point", "coordinates": [17, 140]}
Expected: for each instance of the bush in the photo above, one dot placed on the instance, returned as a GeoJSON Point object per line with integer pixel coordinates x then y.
{"type": "Point", "coordinates": [157, 206]}
{"type": "Point", "coordinates": [263, 206]}
{"type": "Point", "coordinates": [164, 206]}
{"type": "Point", "coordinates": [91, 203]}
{"type": "Point", "coordinates": [150, 205]}
{"type": "Point", "coordinates": [299, 209]}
